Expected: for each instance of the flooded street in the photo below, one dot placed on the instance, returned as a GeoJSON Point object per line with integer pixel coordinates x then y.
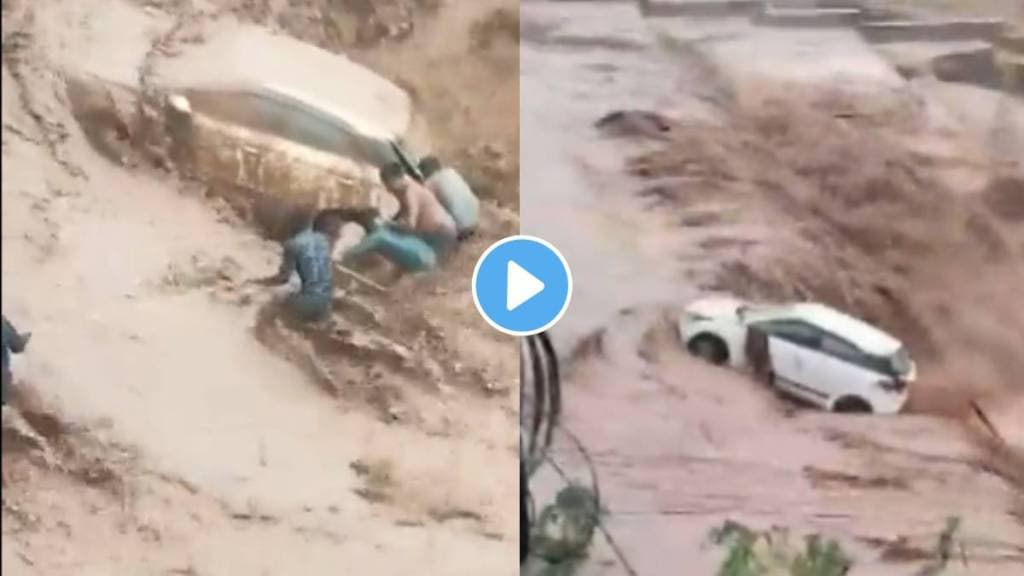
{"type": "Point", "coordinates": [678, 447]}
{"type": "Point", "coordinates": [579, 62]}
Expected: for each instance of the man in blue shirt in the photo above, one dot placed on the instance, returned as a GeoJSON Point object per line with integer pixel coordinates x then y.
{"type": "Point", "coordinates": [454, 193]}
{"type": "Point", "coordinates": [309, 254]}
{"type": "Point", "coordinates": [406, 251]}
{"type": "Point", "coordinates": [13, 342]}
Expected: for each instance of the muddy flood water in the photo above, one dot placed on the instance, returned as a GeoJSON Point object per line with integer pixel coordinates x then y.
{"type": "Point", "coordinates": [160, 425]}
{"type": "Point", "coordinates": [678, 447]}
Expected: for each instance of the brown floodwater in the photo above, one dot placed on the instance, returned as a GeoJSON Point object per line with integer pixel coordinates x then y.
{"type": "Point", "coordinates": [679, 447]}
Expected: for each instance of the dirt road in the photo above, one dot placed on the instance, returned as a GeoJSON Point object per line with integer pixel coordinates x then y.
{"type": "Point", "coordinates": [823, 175]}
{"type": "Point", "coordinates": [184, 445]}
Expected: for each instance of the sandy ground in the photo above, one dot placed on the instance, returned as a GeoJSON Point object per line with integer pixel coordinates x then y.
{"type": "Point", "coordinates": [180, 444]}
{"type": "Point", "coordinates": [794, 164]}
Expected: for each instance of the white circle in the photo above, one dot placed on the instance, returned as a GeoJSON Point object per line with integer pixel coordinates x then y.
{"type": "Point", "coordinates": [568, 285]}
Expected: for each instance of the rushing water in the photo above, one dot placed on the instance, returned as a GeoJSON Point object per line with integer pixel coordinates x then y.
{"type": "Point", "coordinates": [680, 447]}
{"type": "Point", "coordinates": [579, 62]}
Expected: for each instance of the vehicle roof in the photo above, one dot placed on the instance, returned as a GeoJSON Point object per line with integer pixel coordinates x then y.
{"type": "Point", "coordinates": [859, 333]}
{"type": "Point", "coordinates": [245, 57]}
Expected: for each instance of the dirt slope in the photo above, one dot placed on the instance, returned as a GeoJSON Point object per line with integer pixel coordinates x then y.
{"type": "Point", "coordinates": [175, 421]}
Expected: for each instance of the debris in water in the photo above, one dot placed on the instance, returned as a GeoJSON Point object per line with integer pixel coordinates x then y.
{"type": "Point", "coordinates": [945, 548]}
{"type": "Point", "coordinates": [826, 478]}
{"type": "Point", "coordinates": [634, 124]}
{"type": "Point", "coordinates": [590, 346]}
{"type": "Point", "coordinates": [442, 516]}
{"type": "Point", "coordinates": [378, 480]}
{"type": "Point", "coordinates": [1005, 198]}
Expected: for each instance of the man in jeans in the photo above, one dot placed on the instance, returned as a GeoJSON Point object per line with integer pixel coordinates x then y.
{"type": "Point", "coordinates": [309, 254]}
{"type": "Point", "coordinates": [13, 342]}
{"type": "Point", "coordinates": [408, 252]}
{"type": "Point", "coordinates": [454, 193]}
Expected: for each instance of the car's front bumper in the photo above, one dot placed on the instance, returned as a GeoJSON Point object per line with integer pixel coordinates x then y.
{"type": "Point", "coordinates": [883, 402]}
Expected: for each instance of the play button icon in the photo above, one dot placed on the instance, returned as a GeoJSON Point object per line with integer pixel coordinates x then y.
{"type": "Point", "coordinates": [522, 285]}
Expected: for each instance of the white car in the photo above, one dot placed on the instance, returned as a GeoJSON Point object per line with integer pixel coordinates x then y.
{"type": "Point", "coordinates": [809, 351]}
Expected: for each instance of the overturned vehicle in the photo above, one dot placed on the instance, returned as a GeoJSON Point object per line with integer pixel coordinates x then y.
{"type": "Point", "coordinates": [268, 123]}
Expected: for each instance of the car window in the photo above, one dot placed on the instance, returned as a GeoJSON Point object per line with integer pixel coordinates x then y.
{"type": "Point", "coordinates": [792, 331]}
{"type": "Point", "coordinates": [896, 365]}
{"type": "Point", "coordinates": [313, 127]}
{"type": "Point", "coordinates": [281, 116]}
{"type": "Point", "coordinates": [900, 362]}
{"type": "Point", "coordinates": [235, 107]}
{"type": "Point", "coordinates": [841, 349]}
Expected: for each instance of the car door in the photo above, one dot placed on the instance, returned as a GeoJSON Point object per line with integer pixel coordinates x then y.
{"type": "Point", "coordinates": [793, 347]}
{"type": "Point", "coordinates": [841, 369]}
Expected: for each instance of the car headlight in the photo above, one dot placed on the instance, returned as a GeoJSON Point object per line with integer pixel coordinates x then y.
{"type": "Point", "coordinates": [911, 376]}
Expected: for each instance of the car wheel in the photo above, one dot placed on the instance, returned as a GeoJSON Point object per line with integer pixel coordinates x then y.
{"type": "Point", "coordinates": [710, 348]}
{"type": "Point", "coordinates": [852, 405]}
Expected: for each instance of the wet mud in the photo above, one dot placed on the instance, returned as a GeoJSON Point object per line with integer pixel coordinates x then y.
{"type": "Point", "coordinates": [160, 415]}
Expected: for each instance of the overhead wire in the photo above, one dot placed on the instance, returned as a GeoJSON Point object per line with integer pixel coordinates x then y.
{"type": "Point", "coordinates": [540, 375]}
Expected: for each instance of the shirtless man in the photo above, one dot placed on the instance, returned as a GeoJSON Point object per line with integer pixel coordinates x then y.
{"type": "Point", "coordinates": [422, 213]}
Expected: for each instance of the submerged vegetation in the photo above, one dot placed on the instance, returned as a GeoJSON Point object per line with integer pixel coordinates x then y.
{"type": "Point", "coordinates": [773, 553]}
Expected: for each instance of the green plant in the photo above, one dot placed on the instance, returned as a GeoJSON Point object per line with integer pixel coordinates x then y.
{"type": "Point", "coordinates": [771, 553]}
{"type": "Point", "coordinates": [821, 558]}
{"type": "Point", "coordinates": [741, 559]}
